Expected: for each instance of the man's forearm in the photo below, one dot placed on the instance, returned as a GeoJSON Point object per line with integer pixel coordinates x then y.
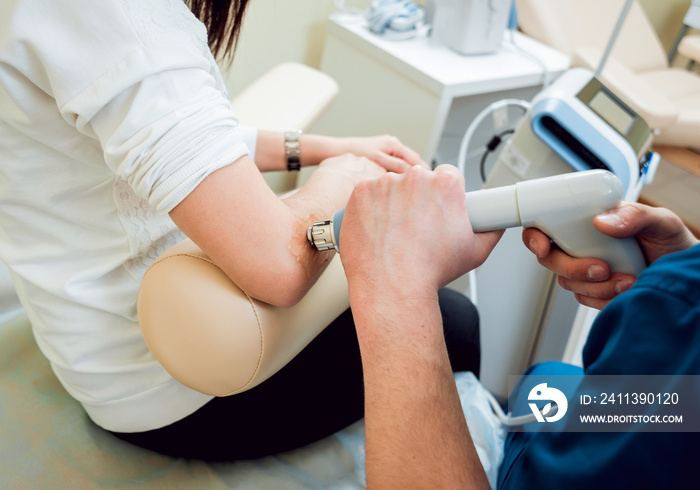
{"type": "Point", "coordinates": [416, 433]}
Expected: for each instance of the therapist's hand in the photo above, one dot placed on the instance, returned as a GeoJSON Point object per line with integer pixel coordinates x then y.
{"type": "Point", "coordinates": [409, 234]}
{"type": "Point", "coordinates": [658, 231]}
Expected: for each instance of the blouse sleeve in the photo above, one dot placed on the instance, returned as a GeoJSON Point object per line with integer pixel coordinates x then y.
{"type": "Point", "coordinates": [166, 133]}
{"type": "Point", "coordinates": [138, 77]}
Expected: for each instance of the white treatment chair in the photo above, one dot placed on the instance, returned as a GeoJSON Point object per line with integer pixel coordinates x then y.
{"type": "Point", "coordinates": [637, 70]}
{"type": "Point", "coordinates": [687, 44]}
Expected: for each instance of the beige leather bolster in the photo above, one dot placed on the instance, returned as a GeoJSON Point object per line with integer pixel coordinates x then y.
{"type": "Point", "coordinates": [212, 337]}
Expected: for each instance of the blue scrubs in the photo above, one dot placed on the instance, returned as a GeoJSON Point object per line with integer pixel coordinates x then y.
{"type": "Point", "coordinates": [654, 328]}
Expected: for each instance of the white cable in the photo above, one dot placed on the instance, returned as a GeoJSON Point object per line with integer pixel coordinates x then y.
{"type": "Point", "coordinates": [509, 420]}
{"type": "Point", "coordinates": [463, 156]}
{"type": "Point", "coordinates": [547, 79]}
{"type": "Point", "coordinates": [471, 276]}
{"type": "Point", "coordinates": [469, 133]}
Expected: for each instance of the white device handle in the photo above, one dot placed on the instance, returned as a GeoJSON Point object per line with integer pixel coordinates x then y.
{"type": "Point", "coordinates": [563, 207]}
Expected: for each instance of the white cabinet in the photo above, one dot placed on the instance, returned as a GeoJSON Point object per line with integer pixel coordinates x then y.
{"type": "Point", "coordinates": [425, 94]}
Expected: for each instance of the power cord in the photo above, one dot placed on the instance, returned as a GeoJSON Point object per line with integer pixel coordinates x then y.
{"type": "Point", "coordinates": [547, 76]}
{"type": "Point", "coordinates": [490, 148]}
{"type": "Point", "coordinates": [469, 133]}
{"type": "Point", "coordinates": [509, 420]}
{"type": "Point", "coordinates": [464, 155]}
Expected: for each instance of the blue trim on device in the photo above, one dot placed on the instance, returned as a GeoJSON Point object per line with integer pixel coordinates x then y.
{"type": "Point", "coordinates": [513, 17]}
{"type": "Point", "coordinates": [337, 222]}
{"type": "Point", "coordinates": [583, 132]}
{"type": "Point", "coordinates": [649, 167]}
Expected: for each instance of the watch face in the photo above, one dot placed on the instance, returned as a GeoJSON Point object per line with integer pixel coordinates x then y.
{"type": "Point", "coordinates": [291, 148]}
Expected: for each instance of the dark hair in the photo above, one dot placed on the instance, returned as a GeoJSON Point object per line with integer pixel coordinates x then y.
{"type": "Point", "coordinates": [222, 19]}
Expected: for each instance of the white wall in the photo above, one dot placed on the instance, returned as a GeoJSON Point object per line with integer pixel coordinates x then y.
{"type": "Point", "coordinates": [275, 31]}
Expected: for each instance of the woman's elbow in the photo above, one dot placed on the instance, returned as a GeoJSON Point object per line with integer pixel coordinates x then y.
{"type": "Point", "coordinates": [283, 288]}
{"type": "Point", "coordinates": [288, 299]}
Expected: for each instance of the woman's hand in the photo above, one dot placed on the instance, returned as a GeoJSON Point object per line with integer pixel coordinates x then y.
{"type": "Point", "coordinates": [386, 151]}
{"type": "Point", "coordinates": [328, 188]}
{"type": "Point", "coordinates": [343, 172]}
{"type": "Point", "coordinates": [658, 231]}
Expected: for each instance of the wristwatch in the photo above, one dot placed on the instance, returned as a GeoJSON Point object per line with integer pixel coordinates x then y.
{"type": "Point", "coordinates": [291, 150]}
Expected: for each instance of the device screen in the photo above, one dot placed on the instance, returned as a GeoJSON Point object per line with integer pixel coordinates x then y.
{"type": "Point", "coordinates": [610, 110]}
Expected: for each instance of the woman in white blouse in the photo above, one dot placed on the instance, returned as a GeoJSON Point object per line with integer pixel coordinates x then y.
{"type": "Point", "coordinates": [117, 140]}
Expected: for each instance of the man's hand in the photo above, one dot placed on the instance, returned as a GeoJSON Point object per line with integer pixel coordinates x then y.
{"type": "Point", "coordinates": [404, 236]}
{"type": "Point", "coordinates": [412, 230]}
{"type": "Point", "coordinates": [658, 231]}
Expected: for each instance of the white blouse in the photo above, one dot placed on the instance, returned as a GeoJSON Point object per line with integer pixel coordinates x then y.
{"type": "Point", "coordinates": [111, 112]}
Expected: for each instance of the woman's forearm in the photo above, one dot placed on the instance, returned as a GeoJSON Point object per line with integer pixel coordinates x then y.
{"type": "Point", "coordinates": [258, 240]}
{"type": "Point", "coordinates": [387, 151]}
{"type": "Point", "coordinates": [270, 151]}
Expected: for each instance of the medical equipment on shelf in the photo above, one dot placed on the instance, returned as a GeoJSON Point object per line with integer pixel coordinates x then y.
{"type": "Point", "coordinates": [396, 20]}
{"type": "Point", "coordinates": [470, 26]}
{"type": "Point", "coordinates": [562, 206]}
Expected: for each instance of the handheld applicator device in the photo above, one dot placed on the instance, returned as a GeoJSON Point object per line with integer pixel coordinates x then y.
{"type": "Point", "coordinates": [561, 206]}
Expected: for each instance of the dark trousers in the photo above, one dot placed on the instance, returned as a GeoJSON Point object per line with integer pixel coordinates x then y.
{"type": "Point", "coordinates": [318, 393]}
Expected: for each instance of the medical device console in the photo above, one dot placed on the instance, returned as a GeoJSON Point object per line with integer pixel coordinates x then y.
{"type": "Point", "coordinates": [588, 127]}
{"type": "Point", "coordinates": [562, 206]}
